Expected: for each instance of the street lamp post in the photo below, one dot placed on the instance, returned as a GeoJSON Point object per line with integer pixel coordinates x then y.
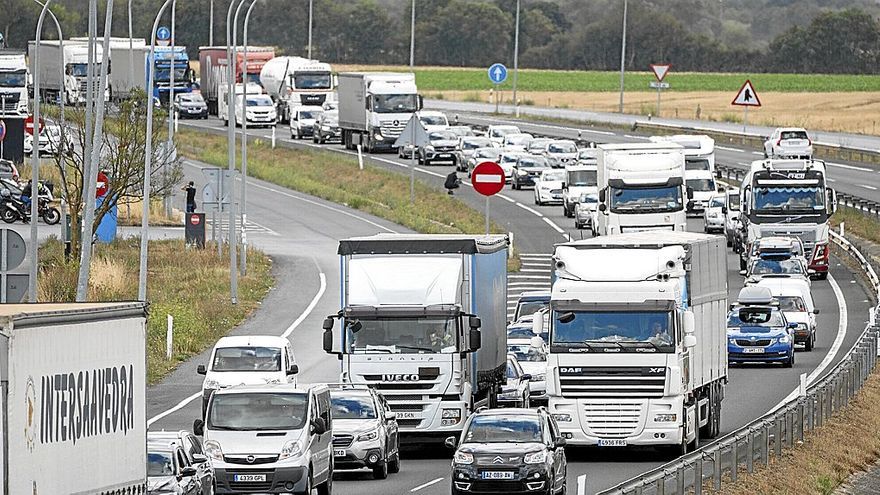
{"type": "Point", "coordinates": [211, 26]}
{"type": "Point", "coordinates": [232, 62]}
{"type": "Point", "coordinates": [244, 136]}
{"type": "Point", "coordinates": [130, 45]}
{"type": "Point", "coordinates": [516, 60]}
{"type": "Point", "coordinates": [622, 56]}
{"type": "Point", "coordinates": [412, 36]}
{"type": "Point", "coordinates": [310, 26]}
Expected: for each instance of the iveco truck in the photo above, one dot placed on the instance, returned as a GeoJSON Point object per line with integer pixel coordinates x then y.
{"type": "Point", "coordinates": [641, 187]}
{"type": "Point", "coordinates": [13, 84]}
{"type": "Point", "coordinates": [788, 198]}
{"type": "Point", "coordinates": [375, 107]}
{"type": "Point", "coordinates": [71, 88]}
{"type": "Point", "coordinates": [638, 352]}
{"type": "Point", "coordinates": [423, 321]}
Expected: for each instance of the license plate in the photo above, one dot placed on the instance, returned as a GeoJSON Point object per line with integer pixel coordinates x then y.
{"type": "Point", "coordinates": [612, 442]}
{"type": "Point", "coordinates": [406, 415]}
{"type": "Point", "coordinates": [444, 155]}
{"type": "Point", "coordinates": [754, 350]}
{"type": "Point", "coordinates": [244, 478]}
{"type": "Point", "coordinates": [497, 475]}
{"type": "Point", "coordinates": [338, 452]}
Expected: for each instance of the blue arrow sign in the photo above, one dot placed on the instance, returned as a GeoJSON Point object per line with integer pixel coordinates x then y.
{"type": "Point", "coordinates": [497, 73]}
{"type": "Point", "coordinates": [163, 33]}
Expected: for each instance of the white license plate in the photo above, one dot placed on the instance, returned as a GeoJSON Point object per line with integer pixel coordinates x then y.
{"type": "Point", "coordinates": [754, 350]}
{"type": "Point", "coordinates": [612, 442]}
{"type": "Point", "coordinates": [406, 415]}
{"type": "Point", "coordinates": [497, 475]}
{"type": "Point", "coordinates": [444, 155]}
{"type": "Point", "coordinates": [338, 452]}
{"type": "Point", "coordinates": [244, 478]}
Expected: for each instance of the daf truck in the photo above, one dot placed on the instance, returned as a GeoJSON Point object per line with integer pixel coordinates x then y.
{"type": "Point", "coordinates": [124, 76]}
{"type": "Point", "coordinates": [14, 77]}
{"type": "Point", "coordinates": [374, 108]}
{"type": "Point", "coordinates": [295, 82]}
{"type": "Point", "coordinates": [73, 398]}
{"type": "Point", "coordinates": [641, 187]}
{"type": "Point", "coordinates": [71, 89]}
{"type": "Point", "coordinates": [637, 326]}
{"type": "Point", "coordinates": [788, 198]}
{"type": "Point", "coordinates": [423, 321]}
{"type": "Point", "coordinates": [213, 69]}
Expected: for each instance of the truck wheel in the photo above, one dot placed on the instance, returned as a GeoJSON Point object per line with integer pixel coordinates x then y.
{"type": "Point", "coordinates": [742, 263]}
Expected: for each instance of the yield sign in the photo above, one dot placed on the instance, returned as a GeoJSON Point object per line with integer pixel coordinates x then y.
{"type": "Point", "coordinates": [414, 134]}
{"type": "Point", "coordinates": [660, 71]}
{"type": "Point", "coordinates": [746, 97]}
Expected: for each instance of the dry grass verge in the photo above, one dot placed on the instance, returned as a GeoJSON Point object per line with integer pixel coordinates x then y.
{"type": "Point", "coordinates": [857, 223]}
{"type": "Point", "coordinates": [130, 214]}
{"type": "Point", "coordinates": [192, 285]}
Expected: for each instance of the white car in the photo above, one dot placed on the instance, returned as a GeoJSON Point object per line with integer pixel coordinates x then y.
{"type": "Point", "coordinates": [796, 303]}
{"type": "Point", "coordinates": [303, 121]}
{"type": "Point", "coordinates": [466, 147]}
{"type": "Point", "coordinates": [548, 187]}
{"type": "Point", "coordinates": [703, 185]}
{"type": "Point", "coordinates": [579, 179]}
{"type": "Point", "coordinates": [491, 154]}
{"type": "Point", "coordinates": [515, 391]}
{"type": "Point", "coordinates": [433, 120]}
{"type": "Point", "coordinates": [518, 142]}
{"type": "Point", "coordinates": [561, 152]}
{"type": "Point", "coordinates": [260, 111]}
{"type": "Point", "coordinates": [247, 360]}
{"type": "Point", "coordinates": [713, 215]}
{"type": "Point", "coordinates": [588, 156]}
{"type": "Point", "coordinates": [508, 160]}
{"type": "Point", "coordinates": [532, 357]}
{"type": "Point", "coordinates": [789, 142]}
{"type": "Point", "coordinates": [537, 145]}
{"type": "Point", "coordinates": [586, 212]}
{"type": "Point", "coordinates": [497, 132]}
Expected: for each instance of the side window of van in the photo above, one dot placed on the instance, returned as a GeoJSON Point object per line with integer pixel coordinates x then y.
{"type": "Point", "coordinates": [324, 406]}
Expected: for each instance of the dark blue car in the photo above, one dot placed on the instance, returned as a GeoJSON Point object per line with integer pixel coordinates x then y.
{"type": "Point", "coordinates": [759, 334]}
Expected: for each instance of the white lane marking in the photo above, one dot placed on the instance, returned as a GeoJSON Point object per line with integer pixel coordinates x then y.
{"type": "Point", "coordinates": [850, 167]}
{"type": "Point", "coordinates": [506, 198]}
{"type": "Point", "coordinates": [835, 347]}
{"type": "Point", "coordinates": [725, 148]}
{"type": "Point", "coordinates": [868, 187]}
{"type": "Point", "coordinates": [604, 133]}
{"type": "Point", "coordinates": [530, 210]}
{"type": "Point", "coordinates": [829, 179]}
{"type": "Point", "coordinates": [582, 484]}
{"type": "Point", "coordinates": [634, 137]}
{"type": "Point", "coordinates": [757, 153]}
{"type": "Point", "coordinates": [180, 405]}
{"type": "Point", "coordinates": [554, 226]}
{"type": "Point", "coordinates": [425, 485]}
{"type": "Point", "coordinates": [533, 270]}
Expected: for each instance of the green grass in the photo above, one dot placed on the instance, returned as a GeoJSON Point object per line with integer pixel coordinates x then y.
{"type": "Point", "coordinates": [856, 223]}
{"type": "Point", "coordinates": [192, 285]}
{"type": "Point", "coordinates": [455, 79]}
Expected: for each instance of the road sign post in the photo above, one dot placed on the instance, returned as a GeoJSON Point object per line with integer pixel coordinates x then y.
{"type": "Point", "coordinates": [2, 136]}
{"type": "Point", "coordinates": [497, 74]}
{"type": "Point", "coordinates": [488, 180]}
{"type": "Point", "coordinates": [163, 36]}
{"type": "Point", "coordinates": [415, 135]}
{"type": "Point", "coordinates": [660, 71]}
{"type": "Point", "coordinates": [14, 280]}
{"type": "Point", "coordinates": [746, 97]}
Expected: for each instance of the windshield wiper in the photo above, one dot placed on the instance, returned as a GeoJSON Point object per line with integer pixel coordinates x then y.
{"type": "Point", "coordinates": [645, 343]}
{"type": "Point", "coordinates": [374, 349]}
{"type": "Point", "coordinates": [426, 349]}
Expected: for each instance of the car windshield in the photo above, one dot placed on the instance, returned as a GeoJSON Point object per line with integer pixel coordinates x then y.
{"type": "Point", "coordinates": [792, 303]}
{"type": "Point", "coordinates": [518, 139]}
{"type": "Point", "coordinates": [716, 202]}
{"type": "Point", "coordinates": [582, 178]}
{"type": "Point", "coordinates": [191, 98]}
{"type": "Point", "coordinates": [520, 332]}
{"type": "Point", "coordinates": [793, 135]}
{"type": "Point", "coordinates": [562, 148]}
{"type": "Point", "coordinates": [487, 153]}
{"type": "Point", "coordinates": [259, 101]}
{"type": "Point", "coordinates": [352, 406]}
{"type": "Point", "coordinates": [258, 411]}
{"type": "Point", "coordinates": [503, 131]}
{"type": "Point", "coordinates": [769, 267]}
{"type": "Point", "coordinates": [755, 317]}
{"type": "Point", "coordinates": [696, 164]}
{"type": "Point", "coordinates": [433, 120]}
{"type": "Point", "coordinates": [770, 199]}
{"type": "Point", "coordinates": [501, 428]}
{"type": "Point", "coordinates": [507, 158]}
{"type": "Point", "coordinates": [309, 114]}
{"type": "Point", "coordinates": [395, 103]}
{"type": "Point", "coordinates": [644, 199]}
{"type": "Point", "coordinates": [553, 175]}
{"type": "Point", "coordinates": [615, 328]}
{"type": "Point", "coordinates": [13, 79]}
{"type": "Point", "coordinates": [589, 198]}
{"type": "Point", "coordinates": [527, 353]}
{"type": "Point", "coordinates": [532, 162]}
{"type": "Point", "coordinates": [247, 358]}
{"type": "Point", "coordinates": [442, 136]}
{"type": "Point", "coordinates": [537, 144]}
{"type": "Point", "coordinates": [472, 144]}
{"type": "Point", "coordinates": [587, 155]}
{"type": "Point", "coordinates": [404, 336]}
{"type": "Point", "coordinates": [160, 464]}
{"type": "Point", "coordinates": [701, 185]}
{"type": "Point", "coordinates": [531, 307]}
{"type": "Point", "coordinates": [313, 80]}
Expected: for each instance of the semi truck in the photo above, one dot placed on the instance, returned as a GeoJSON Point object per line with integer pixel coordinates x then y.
{"type": "Point", "coordinates": [295, 81]}
{"type": "Point", "coordinates": [374, 107]}
{"type": "Point", "coordinates": [71, 89]}
{"type": "Point", "coordinates": [423, 321]}
{"type": "Point", "coordinates": [164, 61]}
{"type": "Point", "coordinates": [213, 69]}
{"type": "Point", "coordinates": [125, 77]}
{"type": "Point", "coordinates": [14, 77]}
{"type": "Point", "coordinates": [638, 352]}
{"type": "Point", "coordinates": [699, 167]}
{"type": "Point", "coordinates": [641, 187]}
{"type": "Point", "coordinates": [788, 198]}
{"type": "Point", "coordinates": [74, 398]}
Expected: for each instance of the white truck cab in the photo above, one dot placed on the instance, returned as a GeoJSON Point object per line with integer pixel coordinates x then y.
{"type": "Point", "coordinates": [579, 180]}
{"type": "Point", "coordinates": [13, 84]}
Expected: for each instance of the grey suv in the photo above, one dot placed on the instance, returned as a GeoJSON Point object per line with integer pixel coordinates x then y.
{"type": "Point", "coordinates": [365, 433]}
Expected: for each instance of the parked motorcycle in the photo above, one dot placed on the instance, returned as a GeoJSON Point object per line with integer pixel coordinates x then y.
{"type": "Point", "coordinates": [13, 208]}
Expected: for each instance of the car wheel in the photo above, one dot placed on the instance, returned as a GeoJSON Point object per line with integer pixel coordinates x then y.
{"type": "Point", "coordinates": [308, 490]}
{"type": "Point", "coordinates": [381, 472]}
{"type": "Point", "coordinates": [790, 362]}
{"type": "Point", "coordinates": [326, 488]}
{"type": "Point", "coordinates": [808, 345]}
{"type": "Point", "coordinates": [394, 463]}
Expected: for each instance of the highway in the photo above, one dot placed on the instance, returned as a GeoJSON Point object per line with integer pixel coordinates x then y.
{"type": "Point", "coordinates": [301, 234]}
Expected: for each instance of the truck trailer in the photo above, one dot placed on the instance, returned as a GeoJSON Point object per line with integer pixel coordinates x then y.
{"type": "Point", "coordinates": [295, 81]}
{"type": "Point", "coordinates": [14, 78]}
{"type": "Point", "coordinates": [423, 321]}
{"type": "Point", "coordinates": [74, 398]}
{"type": "Point", "coordinates": [124, 76]}
{"type": "Point", "coordinates": [638, 352]}
{"type": "Point", "coordinates": [71, 89]}
{"type": "Point", "coordinates": [213, 69]}
{"type": "Point", "coordinates": [374, 107]}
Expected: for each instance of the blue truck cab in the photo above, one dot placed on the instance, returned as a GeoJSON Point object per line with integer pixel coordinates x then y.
{"type": "Point", "coordinates": [757, 330]}
{"type": "Point", "coordinates": [163, 62]}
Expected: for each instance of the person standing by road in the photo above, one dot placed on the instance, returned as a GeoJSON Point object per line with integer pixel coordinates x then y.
{"type": "Point", "coordinates": [190, 197]}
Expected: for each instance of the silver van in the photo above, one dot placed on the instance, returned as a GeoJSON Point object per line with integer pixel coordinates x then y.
{"type": "Point", "coordinates": [269, 439]}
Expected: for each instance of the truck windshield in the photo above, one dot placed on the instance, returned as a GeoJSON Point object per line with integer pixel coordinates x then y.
{"type": "Point", "coordinates": [582, 178]}
{"type": "Point", "coordinates": [320, 80]}
{"type": "Point", "coordinates": [646, 199]}
{"type": "Point", "coordinates": [164, 74]}
{"type": "Point", "coordinates": [352, 406]}
{"type": "Point", "coordinates": [733, 202]}
{"type": "Point", "coordinates": [395, 103]}
{"type": "Point", "coordinates": [258, 411]}
{"type": "Point", "coordinates": [626, 331]}
{"type": "Point", "coordinates": [769, 200]}
{"type": "Point", "coordinates": [79, 70]}
{"type": "Point", "coordinates": [247, 359]}
{"type": "Point", "coordinates": [13, 79]}
{"type": "Point", "coordinates": [701, 185]}
{"type": "Point", "coordinates": [404, 336]}
{"type": "Point", "coordinates": [696, 164]}
{"type": "Point", "coordinates": [253, 77]}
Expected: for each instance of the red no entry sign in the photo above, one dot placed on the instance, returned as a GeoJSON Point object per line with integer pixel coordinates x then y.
{"type": "Point", "coordinates": [29, 125]}
{"type": "Point", "coordinates": [488, 178]}
{"type": "Point", "coordinates": [195, 219]}
{"type": "Point", "coordinates": [102, 186]}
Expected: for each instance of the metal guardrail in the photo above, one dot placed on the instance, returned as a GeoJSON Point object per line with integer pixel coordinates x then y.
{"type": "Point", "coordinates": [781, 428]}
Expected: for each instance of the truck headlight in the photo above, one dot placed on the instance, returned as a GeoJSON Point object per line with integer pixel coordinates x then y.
{"type": "Point", "coordinates": [665, 418]}
{"type": "Point", "coordinates": [562, 417]}
{"type": "Point", "coordinates": [370, 435]}
{"type": "Point", "coordinates": [213, 451]}
{"type": "Point", "coordinates": [290, 449]}
{"type": "Point", "coordinates": [450, 417]}
{"type": "Point", "coordinates": [378, 135]}
{"type": "Point", "coordinates": [538, 457]}
{"type": "Point", "coordinates": [463, 458]}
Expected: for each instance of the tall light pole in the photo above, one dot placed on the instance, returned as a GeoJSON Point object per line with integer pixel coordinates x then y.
{"type": "Point", "coordinates": [232, 62]}
{"type": "Point", "coordinates": [130, 45]}
{"type": "Point", "coordinates": [211, 26]}
{"type": "Point", "coordinates": [412, 36]}
{"type": "Point", "coordinates": [148, 159]}
{"type": "Point", "coordinates": [166, 199]}
{"type": "Point", "coordinates": [622, 56]}
{"type": "Point", "coordinates": [310, 26]}
{"type": "Point", "coordinates": [516, 60]}
{"type": "Point", "coordinates": [244, 138]}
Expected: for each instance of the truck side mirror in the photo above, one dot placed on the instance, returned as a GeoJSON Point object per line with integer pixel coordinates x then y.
{"type": "Point", "coordinates": [718, 174]}
{"type": "Point", "coordinates": [328, 341]}
{"type": "Point", "coordinates": [328, 323]}
{"type": "Point", "coordinates": [451, 442]}
{"type": "Point", "coordinates": [536, 342]}
{"type": "Point", "coordinates": [687, 322]}
{"type": "Point", "coordinates": [690, 192]}
{"type": "Point", "coordinates": [724, 210]}
{"type": "Point", "coordinates": [200, 369]}
{"type": "Point", "coordinates": [474, 322]}
{"type": "Point", "coordinates": [602, 196]}
{"type": "Point", "coordinates": [199, 427]}
{"type": "Point", "coordinates": [602, 207]}
{"type": "Point", "coordinates": [421, 102]}
{"type": "Point", "coordinates": [832, 200]}
{"type": "Point", "coordinates": [690, 341]}
{"type": "Point", "coordinates": [293, 369]}
{"type": "Point", "coordinates": [319, 427]}
{"type": "Point", "coordinates": [538, 324]}
{"type": "Point", "coordinates": [475, 339]}
{"type": "Point", "coordinates": [564, 185]}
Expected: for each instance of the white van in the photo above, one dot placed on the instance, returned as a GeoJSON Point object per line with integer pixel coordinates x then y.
{"type": "Point", "coordinates": [796, 303]}
{"type": "Point", "coordinates": [269, 439]}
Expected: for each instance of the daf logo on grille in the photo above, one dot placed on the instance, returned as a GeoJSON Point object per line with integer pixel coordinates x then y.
{"type": "Point", "coordinates": [498, 460]}
{"type": "Point", "coordinates": [250, 459]}
{"type": "Point", "coordinates": [400, 378]}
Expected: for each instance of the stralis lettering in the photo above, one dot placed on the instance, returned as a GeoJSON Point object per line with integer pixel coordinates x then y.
{"type": "Point", "coordinates": [87, 403]}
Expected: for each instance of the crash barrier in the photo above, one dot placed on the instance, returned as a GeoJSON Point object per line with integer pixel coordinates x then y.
{"type": "Point", "coordinates": [783, 427]}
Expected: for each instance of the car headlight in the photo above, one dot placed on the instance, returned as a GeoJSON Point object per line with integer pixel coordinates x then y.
{"type": "Point", "coordinates": [538, 457]}
{"type": "Point", "coordinates": [213, 451]}
{"type": "Point", "coordinates": [538, 377]}
{"type": "Point", "coordinates": [732, 341]}
{"type": "Point", "coordinates": [522, 173]}
{"type": "Point", "coordinates": [562, 417]}
{"type": "Point", "coordinates": [665, 418]}
{"type": "Point", "coordinates": [463, 458]}
{"type": "Point", "coordinates": [802, 326]}
{"type": "Point", "coordinates": [211, 384]}
{"type": "Point", "coordinates": [370, 435]}
{"type": "Point", "coordinates": [429, 148]}
{"type": "Point", "coordinates": [509, 394]}
{"type": "Point", "coordinates": [784, 339]}
{"type": "Point", "coordinates": [290, 449]}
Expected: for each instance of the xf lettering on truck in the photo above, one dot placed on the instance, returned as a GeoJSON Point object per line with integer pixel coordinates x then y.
{"type": "Point", "coordinates": [85, 403]}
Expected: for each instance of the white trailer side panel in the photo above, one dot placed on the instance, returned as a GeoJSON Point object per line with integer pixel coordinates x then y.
{"type": "Point", "coordinates": [707, 289]}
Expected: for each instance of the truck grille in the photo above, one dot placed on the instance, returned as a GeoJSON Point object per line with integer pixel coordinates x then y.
{"type": "Point", "coordinates": [590, 382]}
{"type": "Point", "coordinates": [342, 440]}
{"type": "Point", "coordinates": [8, 103]}
{"type": "Point", "coordinates": [408, 423]}
{"type": "Point", "coordinates": [389, 129]}
{"type": "Point", "coordinates": [753, 343]}
{"type": "Point", "coordinates": [613, 419]}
